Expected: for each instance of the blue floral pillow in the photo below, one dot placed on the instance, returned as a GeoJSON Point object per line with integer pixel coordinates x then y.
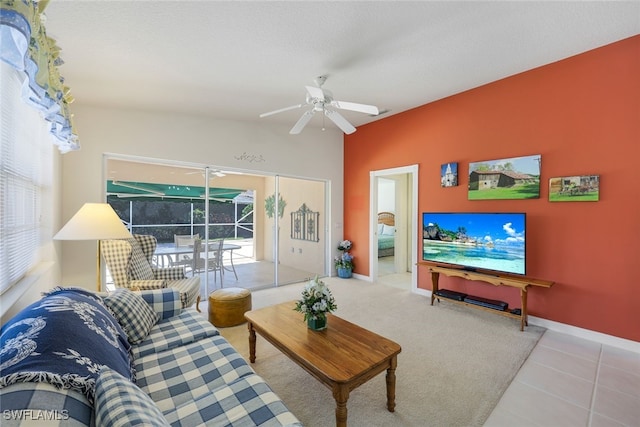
{"type": "Point", "coordinates": [64, 339]}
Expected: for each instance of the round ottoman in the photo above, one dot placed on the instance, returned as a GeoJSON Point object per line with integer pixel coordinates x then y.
{"type": "Point", "coordinates": [228, 305]}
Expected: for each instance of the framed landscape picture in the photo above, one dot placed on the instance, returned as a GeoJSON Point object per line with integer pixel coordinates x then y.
{"type": "Point", "coordinates": [514, 178]}
{"type": "Point", "coordinates": [579, 188]}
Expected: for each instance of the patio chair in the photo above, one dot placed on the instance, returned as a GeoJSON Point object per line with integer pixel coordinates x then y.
{"type": "Point", "coordinates": [185, 260]}
{"type": "Point", "coordinates": [129, 262]}
{"type": "Point", "coordinates": [213, 257]}
{"type": "Point", "coordinates": [185, 239]}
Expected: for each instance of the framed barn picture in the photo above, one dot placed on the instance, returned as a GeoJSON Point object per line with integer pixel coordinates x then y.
{"type": "Point", "coordinates": [514, 178]}
{"type": "Point", "coordinates": [579, 188]}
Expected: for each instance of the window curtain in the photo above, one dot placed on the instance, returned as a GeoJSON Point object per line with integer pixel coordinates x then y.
{"type": "Point", "coordinates": [25, 46]}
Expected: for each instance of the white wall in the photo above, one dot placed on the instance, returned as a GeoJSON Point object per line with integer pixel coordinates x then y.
{"type": "Point", "coordinates": [202, 140]}
{"type": "Point", "coordinates": [386, 195]}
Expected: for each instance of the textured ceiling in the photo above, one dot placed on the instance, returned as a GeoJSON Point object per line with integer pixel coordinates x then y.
{"type": "Point", "coordinates": [235, 60]}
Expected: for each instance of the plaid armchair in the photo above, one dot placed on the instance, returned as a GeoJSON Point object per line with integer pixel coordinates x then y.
{"type": "Point", "coordinates": [129, 262]}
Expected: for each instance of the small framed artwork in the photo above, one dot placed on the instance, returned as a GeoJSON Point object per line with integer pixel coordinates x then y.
{"type": "Point", "coordinates": [449, 174]}
{"type": "Point", "coordinates": [579, 188]}
{"type": "Point", "coordinates": [513, 178]}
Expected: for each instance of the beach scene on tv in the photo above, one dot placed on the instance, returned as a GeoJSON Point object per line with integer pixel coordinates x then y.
{"type": "Point", "coordinates": [484, 241]}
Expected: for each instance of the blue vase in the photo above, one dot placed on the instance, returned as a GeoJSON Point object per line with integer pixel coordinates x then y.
{"type": "Point", "coordinates": [317, 324]}
{"type": "Point", "coordinates": [345, 273]}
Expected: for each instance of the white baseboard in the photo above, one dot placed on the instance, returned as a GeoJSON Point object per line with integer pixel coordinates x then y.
{"type": "Point", "coordinates": [586, 334]}
{"type": "Point", "coordinates": [423, 292]}
{"type": "Point", "coordinates": [575, 331]}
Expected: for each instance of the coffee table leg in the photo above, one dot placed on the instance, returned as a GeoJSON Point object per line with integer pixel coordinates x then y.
{"type": "Point", "coordinates": [341, 395]}
{"type": "Point", "coordinates": [391, 384]}
{"type": "Point", "coordinates": [252, 343]}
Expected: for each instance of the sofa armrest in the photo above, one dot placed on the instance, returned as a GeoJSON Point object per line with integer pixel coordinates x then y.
{"type": "Point", "coordinates": [143, 285]}
{"type": "Point", "coordinates": [30, 403]}
{"type": "Point", "coordinates": [166, 302]}
{"type": "Point", "coordinates": [169, 273]}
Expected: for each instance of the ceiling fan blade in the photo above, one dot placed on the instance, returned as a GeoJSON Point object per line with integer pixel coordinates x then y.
{"type": "Point", "coordinates": [302, 122]}
{"type": "Point", "coordinates": [315, 92]}
{"type": "Point", "coordinates": [353, 106]}
{"type": "Point", "coordinates": [293, 107]}
{"type": "Point", "coordinates": [340, 121]}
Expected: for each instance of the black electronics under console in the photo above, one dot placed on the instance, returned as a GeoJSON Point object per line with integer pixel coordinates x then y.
{"type": "Point", "coordinates": [445, 293]}
{"type": "Point", "coordinates": [485, 302]}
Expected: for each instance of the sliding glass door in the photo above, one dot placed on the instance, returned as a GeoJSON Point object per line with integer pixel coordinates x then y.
{"type": "Point", "coordinates": [301, 228]}
{"type": "Point", "coordinates": [273, 227]}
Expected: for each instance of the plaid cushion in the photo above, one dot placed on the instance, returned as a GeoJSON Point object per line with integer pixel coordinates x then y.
{"type": "Point", "coordinates": [165, 302]}
{"type": "Point", "coordinates": [139, 265]}
{"type": "Point", "coordinates": [187, 327]}
{"type": "Point", "coordinates": [33, 401]}
{"type": "Point", "coordinates": [133, 313]}
{"type": "Point", "coordinates": [182, 374]}
{"type": "Point", "coordinates": [247, 401]}
{"type": "Point", "coordinates": [120, 403]}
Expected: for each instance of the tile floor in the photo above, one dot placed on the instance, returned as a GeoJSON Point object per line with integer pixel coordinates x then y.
{"type": "Point", "coordinates": [251, 274]}
{"type": "Point", "coordinates": [387, 274]}
{"type": "Point", "coordinates": [569, 381]}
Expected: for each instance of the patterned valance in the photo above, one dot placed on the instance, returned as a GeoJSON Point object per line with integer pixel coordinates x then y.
{"type": "Point", "coordinates": [25, 46]}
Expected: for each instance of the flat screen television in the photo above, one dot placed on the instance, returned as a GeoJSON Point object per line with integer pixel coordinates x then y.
{"type": "Point", "coordinates": [475, 241]}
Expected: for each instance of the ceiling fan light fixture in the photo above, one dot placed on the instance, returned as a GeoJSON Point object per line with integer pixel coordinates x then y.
{"type": "Point", "coordinates": [319, 81]}
{"type": "Point", "coordinates": [318, 99]}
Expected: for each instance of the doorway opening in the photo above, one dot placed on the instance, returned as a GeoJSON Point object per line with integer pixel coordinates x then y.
{"type": "Point", "coordinates": [394, 222]}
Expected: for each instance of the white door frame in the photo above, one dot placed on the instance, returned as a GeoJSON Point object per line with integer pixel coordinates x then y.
{"type": "Point", "coordinates": [412, 171]}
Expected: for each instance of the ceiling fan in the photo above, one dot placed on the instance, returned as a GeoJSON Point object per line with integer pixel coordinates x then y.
{"type": "Point", "coordinates": [321, 100]}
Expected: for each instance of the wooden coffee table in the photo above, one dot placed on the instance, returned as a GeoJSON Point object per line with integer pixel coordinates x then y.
{"type": "Point", "coordinates": [342, 357]}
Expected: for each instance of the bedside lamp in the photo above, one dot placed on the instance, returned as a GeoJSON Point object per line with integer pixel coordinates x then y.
{"type": "Point", "coordinates": [94, 221]}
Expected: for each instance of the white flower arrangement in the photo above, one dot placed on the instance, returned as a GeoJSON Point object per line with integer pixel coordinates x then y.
{"type": "Point", "coordinates": [345, 245]}
{"type": "Point", "coordinates": [316, 301]}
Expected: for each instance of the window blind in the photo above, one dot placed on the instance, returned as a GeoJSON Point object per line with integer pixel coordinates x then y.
{"type": "Point", "coordinates": [25, 165]}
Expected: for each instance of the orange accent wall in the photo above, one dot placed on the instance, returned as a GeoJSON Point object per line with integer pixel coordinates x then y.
{"type": "Point", "coordinates": [582, 115]}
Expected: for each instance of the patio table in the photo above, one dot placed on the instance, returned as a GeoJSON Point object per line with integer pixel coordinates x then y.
{"type": "Point", "coordinates": [169, 251]}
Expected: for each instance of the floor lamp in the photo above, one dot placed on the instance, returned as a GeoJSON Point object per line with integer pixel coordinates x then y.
{"type": "Point", "coordinates": [94, 221]}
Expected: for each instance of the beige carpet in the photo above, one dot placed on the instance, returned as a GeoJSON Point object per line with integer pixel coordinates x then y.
{"type": "Point", "coordinates": [455, 363]}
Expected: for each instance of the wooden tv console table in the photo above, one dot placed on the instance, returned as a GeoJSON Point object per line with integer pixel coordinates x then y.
{"type": "Point", "coordinates": [520, 282]}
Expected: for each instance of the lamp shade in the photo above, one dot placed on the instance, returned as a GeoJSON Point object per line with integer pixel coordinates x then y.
{"type": "Point", "coordinates": [94, 221]}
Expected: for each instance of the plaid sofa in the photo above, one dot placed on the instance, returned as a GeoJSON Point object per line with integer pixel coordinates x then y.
{"type": "Point", "coordinates": [186, 374]}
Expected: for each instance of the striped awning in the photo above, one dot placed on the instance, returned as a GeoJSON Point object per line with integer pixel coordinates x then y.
{"type": "Point", "coordinates": [149, 191]}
